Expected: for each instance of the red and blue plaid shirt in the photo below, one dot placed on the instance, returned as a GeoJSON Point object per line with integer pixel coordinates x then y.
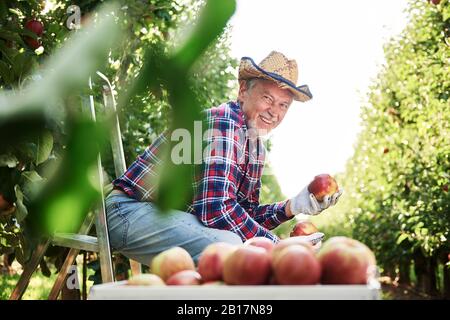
{"type": "Point", "coordinates": [226, 189]}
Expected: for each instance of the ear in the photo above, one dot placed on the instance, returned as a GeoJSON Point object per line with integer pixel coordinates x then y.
{"type": "Point", "coordinates": [242, 89]}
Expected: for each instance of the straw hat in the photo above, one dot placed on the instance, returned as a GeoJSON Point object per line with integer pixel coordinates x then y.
{"type": "Point", "coordinates": [278, 68]}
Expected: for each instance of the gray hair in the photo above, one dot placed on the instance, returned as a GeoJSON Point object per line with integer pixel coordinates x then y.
{"type": "Point", "coordinates": [250, 83]}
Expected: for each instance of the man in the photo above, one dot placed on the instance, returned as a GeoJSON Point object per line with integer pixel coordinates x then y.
{"type": "Point", "coordinates": [225, 206]}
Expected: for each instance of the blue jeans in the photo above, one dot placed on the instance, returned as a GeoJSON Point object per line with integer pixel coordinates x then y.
{"type": "Point", "coordinates": [139, 231]}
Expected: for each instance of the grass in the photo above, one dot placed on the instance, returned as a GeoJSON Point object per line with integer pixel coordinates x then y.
{"type": "Point", "coordinates": [39, 286]}
{"type": "Point", "coordinates": [38, 289]}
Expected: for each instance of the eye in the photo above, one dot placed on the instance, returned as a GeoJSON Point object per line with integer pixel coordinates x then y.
{"type": "Point", "coordinates": [267, 99]}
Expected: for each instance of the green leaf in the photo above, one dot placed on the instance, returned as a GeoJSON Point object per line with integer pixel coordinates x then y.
{"type": "Point", "coordinates": [32, 183]}
{"type": "Point", "coordinates": [65, 200]}
{"type": "Point", "coordinates": [5, 72]}
{"type": "Point", "coordinates": [44, 146]}
{"type": "Point", "coordinates": [8, 160]}
{"type": "Point", "coordinates": [210, 24]}
{"type": "Point", "coordinates": [21, 211]}
{"type": "Point", "coordinates": [446, 12]}
{"type": "Point", "coordinates": [402, 238]}
{"type": "Point", "coordinates": [9, 35]}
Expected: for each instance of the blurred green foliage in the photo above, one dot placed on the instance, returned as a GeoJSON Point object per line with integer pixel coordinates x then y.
{"type": "Point", "coordinates": [45, 169]}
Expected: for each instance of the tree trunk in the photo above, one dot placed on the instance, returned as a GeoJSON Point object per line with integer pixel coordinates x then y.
{"type": "Point", "coordinates": [404, 268]}
{"type": "Point", "coordinates": [420, 269]}
{"type": "Point", "coordinates": [446, 271]}
{"type": "Point", "coordinates": [389, 271]}
{"type": "Point", "coordinates": [432, 265]}
{"type": "Point", "coordinates": [425, 269]}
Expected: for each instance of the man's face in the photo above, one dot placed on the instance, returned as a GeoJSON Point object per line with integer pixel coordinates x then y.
{"type": "Point", "coordinates": [264, 104]}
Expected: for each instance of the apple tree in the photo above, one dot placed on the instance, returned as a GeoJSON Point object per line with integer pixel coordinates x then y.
{"type": "Point", "coordinates": [396, 183]}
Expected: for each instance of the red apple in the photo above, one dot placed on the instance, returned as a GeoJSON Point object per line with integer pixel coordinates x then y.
{"type": "Point", "coordinates": [171, 261]}
{"type": "Point", "coordinates": [32, 43]}
{"type": "Point", "coordinates": [146, 279]}
{"type": "Point", "coordinates": [35, 26]}
{"type": "Point", "coordinates": [289, 242]}
{"type": "Point", "coordinates": [273, 281]}
{"type": "Point", "coordinates": [303, 228]}
{"type": "Point", "coordinates": [435, 2]}
{"type": "Point", "coordinates": [212, 259]}
{"type": "Point", "coordinates": [185, 278]}
{"type": "Point", "coordinates": [445, 187]}
{"type": "Point", "coordinates": [323, 185]}
{"type": "Point", "coordinates": [296, 265]}
{"type": "Point", "coordinates": [345, 261]}
{"type": "Point", "coordinates": [248, 265]}
{"type": "Point", "coordinates": [261, 242]}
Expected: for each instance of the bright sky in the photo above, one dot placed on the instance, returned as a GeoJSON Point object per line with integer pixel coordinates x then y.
{"type": "Point", "coordinates": [338, 46]}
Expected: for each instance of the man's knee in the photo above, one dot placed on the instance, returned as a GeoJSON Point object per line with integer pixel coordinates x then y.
{"type": "Point", "coordinates": [229, 237]}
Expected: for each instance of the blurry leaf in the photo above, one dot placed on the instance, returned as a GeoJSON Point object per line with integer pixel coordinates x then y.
{"type": "Point", "coordinates": [9, 35]}
{"type": "Point", "coordinates": [65, 200]}
{"type": "Point", "coordinates": [21, 211]}
{"type": "Point", "coordinates": [402, 238]}
{"type": "Point", "coordinates": [5, 72]}
{"type": "Point", "coordinates": [175, 181]}
{"type": "Point", "coordinates": [211, 23]}
{"type": "Point", "coordinates": [32, 184]}
{"type": "Point", "coordinates": [8, 160]}
{"type": "Point", "coordinates": [44, 146]}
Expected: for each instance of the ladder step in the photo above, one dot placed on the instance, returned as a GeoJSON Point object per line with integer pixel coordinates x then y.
{"type": "Point", "coordinates": [76, 241]}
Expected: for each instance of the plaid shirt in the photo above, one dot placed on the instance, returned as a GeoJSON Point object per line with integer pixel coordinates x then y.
{"type": "Point", "coordinates": [226, 189]}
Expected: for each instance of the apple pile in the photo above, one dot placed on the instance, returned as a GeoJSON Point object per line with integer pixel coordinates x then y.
{"type": "Point", "coordinates": [291, 261]}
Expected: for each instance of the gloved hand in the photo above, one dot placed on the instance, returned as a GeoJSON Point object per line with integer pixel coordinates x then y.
{"type": "Point", "coordinates": [315, 239]}
{"type": "Point", "coordinates": [306, 203]}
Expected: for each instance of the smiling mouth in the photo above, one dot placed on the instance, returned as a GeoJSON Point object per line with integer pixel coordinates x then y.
{"type": "Point", "coordinates": [267, 121]}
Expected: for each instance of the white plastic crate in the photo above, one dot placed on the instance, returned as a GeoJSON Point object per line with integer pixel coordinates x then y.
{"type": "Point", "coordinates": [121, 291]}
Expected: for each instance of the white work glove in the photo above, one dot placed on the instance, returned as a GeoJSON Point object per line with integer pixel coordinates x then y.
{"type": "Point", "coordinates": [315, 239]}
{"type": "Point", "coordinates": [306, 203]}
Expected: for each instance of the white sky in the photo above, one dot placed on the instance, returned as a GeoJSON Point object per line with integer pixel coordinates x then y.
{"type": "Point", "coordinates": [338, 47]}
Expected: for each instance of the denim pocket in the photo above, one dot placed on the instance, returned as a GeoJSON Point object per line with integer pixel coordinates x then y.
{"type": "Point", "coordinates": [118, 225]}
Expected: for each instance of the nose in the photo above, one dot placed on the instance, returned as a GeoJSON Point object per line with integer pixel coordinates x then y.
{"type": "Point", "coordinates": [271, 113]}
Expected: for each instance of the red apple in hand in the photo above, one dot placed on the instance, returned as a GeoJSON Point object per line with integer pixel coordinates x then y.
{"type": "Point", "coordinates": [185, 278]}
{"type": "Point", "coordinates": [345, 261]}
{"type": "Point", "coordinates": [303, 228]}
{"type": "Point", "coordinates": [323, 185]}
{"type": "Point", "coordinates": [248, 265]}
{"type": "Point", "coordinates": [171, 261]}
